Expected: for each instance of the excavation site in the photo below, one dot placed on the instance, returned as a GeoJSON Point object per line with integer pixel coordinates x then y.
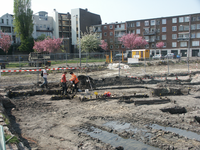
{"type": "Point", "coordinates": [134, 107]}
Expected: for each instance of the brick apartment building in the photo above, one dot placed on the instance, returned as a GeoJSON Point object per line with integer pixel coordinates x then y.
{"type": "Point", "coordinates": [180, 34]}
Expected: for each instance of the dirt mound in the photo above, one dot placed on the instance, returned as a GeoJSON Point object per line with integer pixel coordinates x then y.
{"type": "Point", "coordinates": [85, 82]}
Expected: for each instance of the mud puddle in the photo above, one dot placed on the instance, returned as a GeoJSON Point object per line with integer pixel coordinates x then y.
{"type": "Point", "coordinates": [116, 141]}
{"type": "Point", "coordinates": [185, 133]}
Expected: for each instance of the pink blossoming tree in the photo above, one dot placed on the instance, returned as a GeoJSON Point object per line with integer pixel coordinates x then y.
{"type": "Point", "coordinates": [5, 42]}
{"type": "Point", "coordinates": [104, 45]}
{"type": "Point", "coordinates": [48, 45]}
{"type": "Point", "coordinates": [131, 41]}
{"type": "Point", "coordinates": [160, 45]}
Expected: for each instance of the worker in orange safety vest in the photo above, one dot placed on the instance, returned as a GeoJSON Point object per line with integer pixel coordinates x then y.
{"type": "Point", "coordinates": [74, 80]}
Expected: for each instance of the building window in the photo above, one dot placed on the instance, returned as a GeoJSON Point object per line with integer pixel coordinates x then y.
{"type": "Point", "coordinates": [7, 21]}
{"type": "Point", "coordinates": [195, 43]}
{"type": "Point", "coordinates": [186, 28]}
{"type": "Point", "coordinates": [105, 40]}
{"type": "Point", "coordinates": [132, 25]}
{"type": "Point", "coordinates": [174, 20]}
{"type": "Point", "coordinates": [146, 38]}
{"type": "Point", "coordinates": [158, 38]}
{"type": "Point", "coordinates": [174, 28]}
{"type": "Point", "coordinates": [164, 29]}
{"type": "Point", "coordinates": [147, 46]}
{"type": "Point", "coordinates": [111, 40]}
{"type": "Point", "coordinates": [198, 18]}
{"type": "Point", "coordinates": [198, 26]}
{"type": "Point", "coordinates": [165, 44]}
{"type": "Point", "coordinates": [183, 44]}
{"type": "Point", "coordinates": [146, 23]}
{"type": "Point", "coordinates": [111, 47]}
{"type": "Point", "coordinates": [187, 19]}
{"type": "Point", "coordinates": [2, 20]}
{"type": "Point", "coordinates": [138, 31]}
{"type": "Point", "coordinates": [193, 35]}
{"type": "Point", "coordinates": [163, 21]}
{"type": "Point", "coordinates": [117, 46]}
{"type": "Point", "coordinates": [122, 46]}
{"type": "Point", "coordinates": [164, 37]}
{"type": "Point", "coordinates": [137, 24]}
{"type": "Point", "coordinates": [45, 26]}
{"type": "Point", "coordinates": [153, 22]}
{"type": "Point", "coordinates": [152, 45]}
{"type": "Point", "coordinates": [193, 26]}
{"type": "Point", "coordinates": [158, 30]}
{"type": "Point", "coordinates": [180, 28]}
{"type": "Point", "coordinates": [111, 33]}
{"type": "Point", "coordinates": [40, 25]}
{"type": "Point", "coordinates": [194, 19]}
{"type": "Point", "coordinates": [174, 44]}
{"type": "Point", "coordinates": [158, 22]}
{"type": "Point", "coordinates": [198, 35]}
{"type": "Point", "coordinates": [181, 19]}
{"type": "Point", "coordinates": [133, 31]}
{"type": "Point", "coordinates": [105, 27]}
{"type": "Point", "coordinates": [105, 33]}
{"type": "Point", "coordinates": [111, 26]}
{"type": "Point", "coordinates": [174, 36]}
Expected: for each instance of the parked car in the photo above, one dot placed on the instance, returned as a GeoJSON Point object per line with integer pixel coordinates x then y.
{"type": "Point", "coordinates": [118, 57]}
{"type": "Point", "coordinates": [3, 64]}
{"type": "Point", "coordinates": [158, 56]}
{"type": "Point", "coordinates": [169, 55]}
{"type": "Point", "coordinates": [178, 56]}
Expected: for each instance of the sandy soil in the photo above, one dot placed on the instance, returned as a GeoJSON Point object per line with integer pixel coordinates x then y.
{"type": "Point", "coordinates": [45, 124]}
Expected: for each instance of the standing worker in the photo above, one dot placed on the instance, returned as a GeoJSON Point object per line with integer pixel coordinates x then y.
{"type": "Point", "coordinates": [74, 80]}
{"type": "Point", "coordinates": [45, 77]}
{"type": "Point", "coordinates": [63, 81]}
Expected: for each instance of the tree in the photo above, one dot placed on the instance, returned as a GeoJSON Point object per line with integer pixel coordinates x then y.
{"type": "Point", "coordinates": [104, 45]}
{"type": "Point", "coordinates": [23, 23]}
{"type": "Point", "coordinates": [89, 42]}
{"type": "Point", "coordinates": [5, 42]}
{"type": "Point", "coordinates": [48, 45]}
{"type": "Point", "coordinates": [160, 45]}
{"type": "Point", "coordinates": [132, 41]}
{"type": "Point", "coordinates": [41, 37]}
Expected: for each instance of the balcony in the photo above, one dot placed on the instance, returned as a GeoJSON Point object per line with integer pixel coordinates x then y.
{"type": "Point", "coordinates": [151, 40]}
{"type": "Point", "coordinates": [183, 39]}
{"type": "Point", "coordinates": [149, 32]}
{"type": "Point", "coordinates": [120, 29]}
{"type": "Point", "coordinates": [44, 29]}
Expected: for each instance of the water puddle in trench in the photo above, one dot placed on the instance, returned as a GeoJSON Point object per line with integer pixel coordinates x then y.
{"type": "Point", "coordinates": [128, 127]}
{"type": "Point", "coordinates": [115, 140]}
{"type": "Point", "coordinates": [185, 133]}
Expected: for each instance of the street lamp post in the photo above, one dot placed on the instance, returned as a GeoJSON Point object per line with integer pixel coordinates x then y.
{"type": "Point", "coordinates": [79, 37]}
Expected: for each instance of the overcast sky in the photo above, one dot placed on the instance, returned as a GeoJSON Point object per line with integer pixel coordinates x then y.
{"type": "Point", "coordinates": [114, 10]}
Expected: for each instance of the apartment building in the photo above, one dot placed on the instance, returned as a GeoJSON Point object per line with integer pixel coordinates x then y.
{"type": "Point", "coordinates": [111, 34]}
{"type": "Point", "coordinates": [81, 21]}
{"type": "Point", "coordinates": [6, 26]}
{"type": "Point", "coordinates": [43, 24]}
{"type": "Point", "coordinates": [180, 34]}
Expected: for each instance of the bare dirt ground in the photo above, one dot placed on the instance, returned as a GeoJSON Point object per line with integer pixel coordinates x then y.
{"type": "Point", "coordinates": [147, 113]}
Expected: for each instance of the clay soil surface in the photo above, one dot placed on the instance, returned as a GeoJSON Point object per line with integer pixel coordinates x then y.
{"type": "Point", "coordinates": [145, 113]}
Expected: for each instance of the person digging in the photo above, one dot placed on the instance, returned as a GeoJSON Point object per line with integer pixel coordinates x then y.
{"type": "Point", "coordinates": [74, 80]}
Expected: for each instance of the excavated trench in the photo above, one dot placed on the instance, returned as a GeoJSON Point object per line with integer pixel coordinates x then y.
{"type": "Point", "coordinates": [175, 110]}
{"type": "Point", "coordinates": [118, 135]}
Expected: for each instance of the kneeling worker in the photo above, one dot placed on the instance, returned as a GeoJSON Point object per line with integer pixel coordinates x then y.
{"type": "Point", "coordinates": [63, 81]}
{"type": "Point", "coordinates": [74, 80]}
